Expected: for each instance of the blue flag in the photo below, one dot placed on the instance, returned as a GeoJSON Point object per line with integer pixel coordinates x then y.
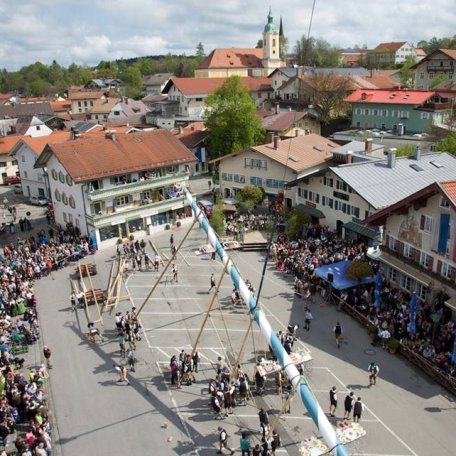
{"type": "Point", "coordinates": [411, 328]}
{"type": "Point", "coordinates": [378, 290]}
{"type": "Point", "coordinates": [453, 356]}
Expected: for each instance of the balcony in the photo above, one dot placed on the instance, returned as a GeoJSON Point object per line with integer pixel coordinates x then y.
{"type": "Point", "coordinates": [439, 67]}
{"type": "Point", "coordinates": [131, 212]}
{"type": "Point", "coordinates": [136, 187]}
{"type": "Point", "coordinates": [437, 106]}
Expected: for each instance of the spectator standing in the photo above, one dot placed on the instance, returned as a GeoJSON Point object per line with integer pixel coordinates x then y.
{"type": "Point", "coordinates": [245, 445]}
{"type": "Point", "coordinates": [357, 410]}
{"type": "Point", "coordinates": [223, 441]}
{"type": "Point", "coordinates": [373, 370]}
{"type": "Point", "coordinates": [47, 356]}
{"type": "Point", "coordinates": [275, 442]}
{"type": "Point", "coordinates": [338, 333]}
{"type": "Point", "coordinates": [174, 270]}
{"type": "Point", "coordinates": [332, 401]}
{"type": "Point", "coordinates": [308, 317]}
{"type": "Point", "coordinates": [348, 405]}
{"type": "Point", "coordinates": [195, 361]}
{"type": "Point", "coordinates": [171, 241]}
{"type": "Point", "coordinates": [131, 359]}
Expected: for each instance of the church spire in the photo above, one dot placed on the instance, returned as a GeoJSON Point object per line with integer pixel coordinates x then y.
{"type": "Point", "coordinates": [281, 27]}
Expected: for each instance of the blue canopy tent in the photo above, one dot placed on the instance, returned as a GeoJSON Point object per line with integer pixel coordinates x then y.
{"type": "Point", "coordinates": [340, 281]}
{"type": "Point", "coordinates": [378, 290]}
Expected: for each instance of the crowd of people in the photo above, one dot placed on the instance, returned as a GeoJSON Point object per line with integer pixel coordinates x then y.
{"type": "Point", "coordinates": [22, 392]}
{"type": "Point", "coordinates": [435, 329]}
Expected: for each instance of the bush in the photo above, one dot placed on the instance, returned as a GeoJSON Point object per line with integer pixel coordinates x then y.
{"type": "Point", "coordinates": [131, 237]}
{"type": "Point", "coordinates": [178, 223]}
{"type": "Point", "coordinates": [167, 226]}
{"type": "Point", "coordinates": [358, 270]}
{"type": "Point", "coordinates": [372, 329]}
{"type": "Point", "coordinates": [393, 345]}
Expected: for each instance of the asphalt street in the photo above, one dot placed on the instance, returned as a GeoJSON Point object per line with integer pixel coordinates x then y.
{"type": "Point", "coordinates": [406, 414]}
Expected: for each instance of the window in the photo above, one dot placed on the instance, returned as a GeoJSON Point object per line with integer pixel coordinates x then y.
{"type": "Point", "coordinates": [375, 112]}
{"type": "Point", "coordinates": [424, 116]}
{"type": "Point", "coordinates": [358, 111]}
{"type": "Point", "coordinates": [329, 181]}
{"type": "Point", "coordinates": [23, 158]}
{"type": "Point", "coordinates": [77, 223]}
{"type": "Point", "coordinates": [258, 181]}
{"type": "Point", "coordinates": [431, 75]}
{"type": "Point", "coordinates": [57, 195]}
{"type": "Point", "coordinates": [255, 163]}
{"type": "Point", "coordinates": [64, 199]}
{"type": "Point", "coordinates": [68, 180]}
{"type": "Point", "coordinates": [450, 75]}
{"type": "Point", "coordinates": [70, 217]}
{"type": "Point", "coordinates": [239, 178]}
{"type": "Point", "coordinates": [394, 113]}
{"type": "Point", "coordinates": [422, 75]}
{"type": "Point", "coordinates": [38, 127]}
{"type": "Point", "coordinates": [79, 104]}
{"type": "Point", "coordinates": [64, 217]}
{"type": "Point", "coordinates": [384, 113]}
{"type": "Point", "coordinates": [392, 243]}
{"type": "Point", "coordinates": [421, 292]}
{"type": "Point", "coordinates": [408, 250]}
{"type": "Point", "coordinates": [72, 202]}
{"type": "Point", "coordinates": [85, 103]}
{"type": "Point", "coordinates": [446, 270]}
{"type": "Point", "coordinates": [54, 174]}
{"type": "Point", "coordinates": [342, 186]}
{"type": "Point", "coordinates": [425, 259]}
{"type": "Point", "coordinates": [406, 282]}
{"type": "Point", "coordinates": [25, 174]}
{"type": "Point", "coordinates": [366, 112]}
{"type": "Point", "coordinates": [426, 223]}
{"type": "Point", "coordinates": [116, 113]}
{"type": "Point", "coordinates": [274, 183]}
{"type": "Point", "coordinates": [61, 177]}
{"type": "Point", "coordinates": [393, 274]}
{"type": "Point", "coordinates": [444, 203]}
{"type": "Point", "coordinates": [227, 177]}
{"type": "Point", "coordinates": [123, 200]}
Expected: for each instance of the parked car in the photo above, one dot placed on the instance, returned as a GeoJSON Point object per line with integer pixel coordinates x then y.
{"type": "Point", "coordinates": [10, 180]}
{"type": "Point", "coordinates": [17, 189]}
{"type": "Point", "coordinates": [39, 201]}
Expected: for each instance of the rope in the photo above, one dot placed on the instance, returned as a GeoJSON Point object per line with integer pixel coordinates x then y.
{"type": "Point", "coordinates": [226, 328]}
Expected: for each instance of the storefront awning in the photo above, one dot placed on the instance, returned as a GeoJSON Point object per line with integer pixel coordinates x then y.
{"type": "Point", "coordinates": [400, 265]}
{"type": "Point", "coordinates": [451, 303]}
{"type": "Point", "coordinates": [362, 230]}
{"type": "Point", "coordinates": [312, 211]}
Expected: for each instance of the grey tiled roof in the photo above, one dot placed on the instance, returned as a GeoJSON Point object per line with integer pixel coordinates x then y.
{"type": "Point", "coordinates": [382, 186]}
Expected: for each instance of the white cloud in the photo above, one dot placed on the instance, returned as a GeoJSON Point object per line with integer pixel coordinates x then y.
{"type": "Point", "coordinates": [87, 31]}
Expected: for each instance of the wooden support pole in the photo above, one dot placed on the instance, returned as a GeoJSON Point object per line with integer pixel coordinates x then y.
{"type": "Point", "coordinates": [166, 267]}
{"type": "Point", "coordinates": [208, 311]}
{"type": "Point", "coordinates": [94, 295]}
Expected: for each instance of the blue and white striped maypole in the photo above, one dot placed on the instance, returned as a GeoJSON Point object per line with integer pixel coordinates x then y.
{"type": "Point", "coordinates": [299, 383]}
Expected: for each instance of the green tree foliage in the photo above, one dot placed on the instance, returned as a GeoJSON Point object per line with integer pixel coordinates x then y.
{"type": "Point", "coordinates": [231, 119]}
{"type": "Point", "coordinates": [259, 44]}
{"type": "Point", "coordinates": [283, 47]}
{"type": "Point", "coordinates": [437, 43]}
{"type": "Point", "coordinates": [133, 81]}
{"type": "Point", "coordinates": [250, 196]}
{"type": "Point", "coordinates": [217, 219]}
{"type": "Point", "coordinates": [358, 270]}
{"type": "Point", "coordinates": [316, 52]}
{"type": "Point", "coordinates": [447, 145]}
{"type": "Point", "coordinates": [200, 50]}
{"type": "Point", "coordinates": [405, 151]}
{"type": "Point", "coordinates": [407, 75]}
{"type": "Point", "coordinates": [295, 222]}
{"type": "Point", "coordinates": [438, 80]}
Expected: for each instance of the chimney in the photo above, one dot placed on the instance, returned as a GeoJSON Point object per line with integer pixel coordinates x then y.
{"type": "Point", "coordinates": [392, 157]}
{"type": "Point", "coordinates": [368, 146]}
{"type": "Point", "coordinates": [349, 158]}
{"type": "Point", "coordinates": [277, 108]}
{"type": "Point", "coordinates": [417, 154]}
{"type": "Point", "coordinates": [276, 141]}
{"type": "Point", "coordinates": [269, 137]}
{"type": "Point", "coordinates": [110, 134]}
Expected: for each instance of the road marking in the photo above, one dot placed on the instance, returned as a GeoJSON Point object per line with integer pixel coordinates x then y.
{"type": "Point", "coordinates": [176, 408]}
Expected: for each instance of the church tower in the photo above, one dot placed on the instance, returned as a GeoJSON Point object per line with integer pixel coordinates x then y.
{"type": "Point", "coordinates": [271, 46]}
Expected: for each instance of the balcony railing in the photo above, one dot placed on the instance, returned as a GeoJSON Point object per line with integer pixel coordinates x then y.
{"type": "Point", "coordinates": [141, 210]}
{"type": "Point", "coordinates": [135, 187]}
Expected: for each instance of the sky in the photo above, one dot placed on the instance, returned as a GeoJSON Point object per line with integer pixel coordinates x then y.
{"type": "Point", "coordinates": [87, 31]}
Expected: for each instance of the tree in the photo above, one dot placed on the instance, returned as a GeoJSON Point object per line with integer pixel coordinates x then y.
{"type": "Point", "coordinates": [259, 44]}
{"type": "Point", "coordinates": [133, 81]}
{"type": "Point", "coordinates": [295, 222]}
{"type": "Point", "coordinates": [447, 145]}
{"type": "Point", "coordinates": [405, 151]}
{"type": "Point", "coordinates": [231, 119]}
{"type": "Point", "coordinates": [217, 219]}
{"type": "Point", "coordinates": [326, 92]}
{"type": "Point", "coordinates": [250, 196]}
{"type": "Point", "coordinates": [438, 80]}
{"type": "Point", "coordinates": [283, 47]}
{"type": "Point", "coordinates": [406, 73]}
{"type": "Point", "coordinates": [200, 50]}
{"type": "Point", "coordinates": [316, 52]}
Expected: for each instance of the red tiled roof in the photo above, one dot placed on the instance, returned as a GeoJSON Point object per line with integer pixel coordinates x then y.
{"type": "Point", "coordinates": [381, 82]}
{"type": "Point", "coordinates": [449, 52]}
{"type": "Point", "coordinates": [192, 134]}
{"type": "Point", "coordinates": [38, 143]}
{"type": "Point", "coordinates": [233, 58]}
{"type": "Point", "coordinates": [61, 106]}
{"type": "Point", "coordinates": [389, 47]}
{"type": "Point", "coordinates": [411, 97]}
{"type": "Point", "coordinates": [449, 187]}
{"type": "Point", "coordinates": [280, 121]}
{"type": "Point", "coordinates": [200, 86]}
{"type": "Point", "coordinates": [8, 142]}
{"type": "Point", "coordinates": [420, 52]}
{"type": "Point", "coordinates": [96, 156]}
{"type": "Point", "coordinates": [86, 95]}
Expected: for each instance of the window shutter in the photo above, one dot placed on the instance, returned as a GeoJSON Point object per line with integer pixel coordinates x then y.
{"type": "Point", "coordinates": [430, 262]}
{"type": "Point", "coordinates": [422, 221]}
{"type": "Point", "coordinates": [439, 267]}
{"type": "Point", "coordinates": [416, 254]}
{"type": "Point", "coordinates": [387, 240]}
{"type": "Point", "coordinates": [400, 247]}
{"type": "Point", "coordinates": [453, 273]}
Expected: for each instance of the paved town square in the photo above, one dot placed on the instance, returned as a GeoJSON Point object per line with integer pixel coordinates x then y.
{"type": "Point", "coordinates": [405, 413]}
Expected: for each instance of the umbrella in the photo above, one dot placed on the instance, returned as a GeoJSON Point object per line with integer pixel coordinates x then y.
{"type": "Point", "coordinates": [378, 290]}
{"type": "Point", "coordinates": [411, 328]}
{"type": "Point", "coordinates": [453, 356]}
